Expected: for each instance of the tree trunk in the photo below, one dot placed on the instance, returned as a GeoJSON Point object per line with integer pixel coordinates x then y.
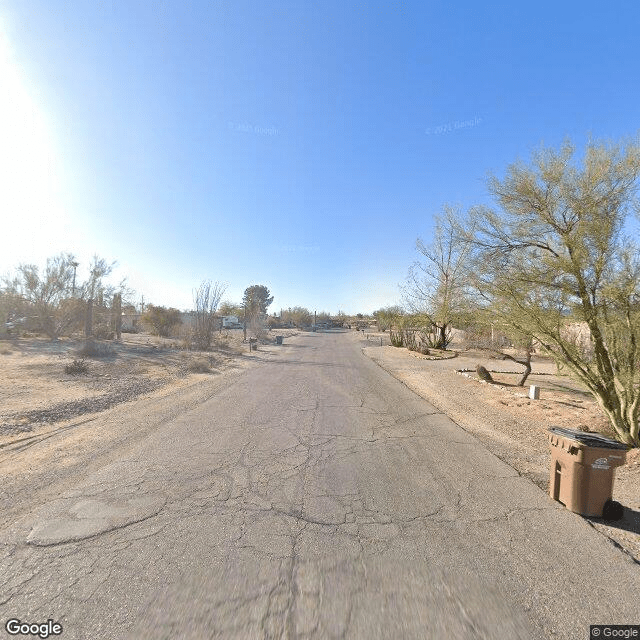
{"type": "Point", "coordinates": [526, 363]}
{"type": "Point", "coordinates": [117, 315]}
{"type": "Point", "coordinates": [525, 375]}
{"type": "Point", "coordinates": [88, 323]}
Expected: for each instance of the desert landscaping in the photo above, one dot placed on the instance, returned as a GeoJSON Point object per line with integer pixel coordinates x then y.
{"type": "Point", "coordinates": [508, 422]}
{"type": "Point", "coordinates": [49, 382]}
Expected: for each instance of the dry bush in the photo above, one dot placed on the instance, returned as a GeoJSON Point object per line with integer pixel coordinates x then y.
{"type": "Point", "coordinates": [76, 368]}
{"type": "Point", "coordinates": [103, 332]}
{"type": "Point", "coordinates": [397, 337]}
{"type": "Point", "coordinates": [199, 365]}
{"type": "Point", "coordinates": [92, 349]}
{"type": "Point", "coordinates": [410, 339]}
{"type": "Point", "coordinates": [223, 340]}
{"type": "Point", "coordinates": [206, 300]}
{"type": "Point", "coordinates": [5, 351]}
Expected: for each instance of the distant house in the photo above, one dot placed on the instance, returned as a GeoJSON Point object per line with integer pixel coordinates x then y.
{"type": "Point", "coordinates": [189, 319]}
{"type": "Point", "coordinates": [231, 322]}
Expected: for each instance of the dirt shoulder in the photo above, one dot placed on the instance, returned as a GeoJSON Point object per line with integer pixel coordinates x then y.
{"type": "Point", "coordinates": [511, 425]}
{"type": "Point", "coordinates": [54, 426]}
{"type": "Point", "coordinates": [38, 390]}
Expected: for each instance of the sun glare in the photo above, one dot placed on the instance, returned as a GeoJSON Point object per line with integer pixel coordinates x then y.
{"type": "Point", "coordinates": [32, 220]}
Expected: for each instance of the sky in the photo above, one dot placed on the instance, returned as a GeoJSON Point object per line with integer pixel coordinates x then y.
{"type": "Point", "coordinates": [304, 146]}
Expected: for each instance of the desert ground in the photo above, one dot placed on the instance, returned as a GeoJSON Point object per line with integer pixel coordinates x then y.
{"type": "Point", "coordinates": [510, 424]}
{"type": "Point", "coordinates": [37, 392]}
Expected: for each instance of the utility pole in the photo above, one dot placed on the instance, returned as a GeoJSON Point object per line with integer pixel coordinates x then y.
{"type": "Point", "coordinates": [117, 315]}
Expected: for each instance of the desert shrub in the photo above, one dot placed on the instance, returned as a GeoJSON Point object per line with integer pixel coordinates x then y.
{"type": "Point", "coordinates": [206, 300]}
{"type": "Point", "coordinates": [92, 349]}
{"type": "Point", "coordinates": [397, 337]}
{"type": "Point", "coordinates": [262, 334]}
{"type": "Point", "coordinates": [410, 340]}
{"type": "Point", "coordinates": [5, 351]}
{"type": "Point", "coordinates": [161, 320]}
{"type": "Point", "coordinates": [76, 368]}
{"type": "Point", "coordinates": [104, 333]}
{"type": "Point", "coordinates": [223, 340]}
{"type": "Point", "coordinates": [483, 373]}
{"type": "Point", "coordinates": [436, 336]}
{"type": "Point", "coordinates": [199, 365]}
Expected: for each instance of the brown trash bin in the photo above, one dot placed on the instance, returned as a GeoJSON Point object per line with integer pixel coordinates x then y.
{"type": "Point", "coordinates": [582, 468]}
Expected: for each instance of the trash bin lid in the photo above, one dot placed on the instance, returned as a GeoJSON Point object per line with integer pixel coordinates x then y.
{"type": "Point", "coordinates": [595, 440]}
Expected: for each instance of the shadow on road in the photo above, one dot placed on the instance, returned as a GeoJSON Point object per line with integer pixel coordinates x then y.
{"type": "Point", "coordinates": [307, 362]}
{"type": "Point", "coordinates": [630, 521]}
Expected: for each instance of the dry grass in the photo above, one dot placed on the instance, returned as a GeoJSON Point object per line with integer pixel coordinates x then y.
{"type": "Point", "coordinates": [199, 365]}
{"type": "Point", "coordinates": [76, 368]}
{"type": "Point", "coordinates": [93, 349]}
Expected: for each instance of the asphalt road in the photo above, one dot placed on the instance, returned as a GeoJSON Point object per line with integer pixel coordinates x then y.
{"type": "Point", "coordinates": [313, 497]}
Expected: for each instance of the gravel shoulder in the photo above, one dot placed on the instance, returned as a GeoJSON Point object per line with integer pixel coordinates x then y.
{"type": "Point", "coordinates": [512, 426]}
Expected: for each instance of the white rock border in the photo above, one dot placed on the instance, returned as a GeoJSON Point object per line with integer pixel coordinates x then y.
{"type": "Point", "coordinates": [495, 385]}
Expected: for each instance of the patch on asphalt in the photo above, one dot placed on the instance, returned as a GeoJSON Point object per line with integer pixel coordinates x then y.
{"type": "Point", "coordinates": [71, 520]}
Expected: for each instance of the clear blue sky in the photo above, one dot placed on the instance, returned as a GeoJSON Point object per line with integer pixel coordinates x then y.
{"type": "Point", "coordinates": [300, 145]}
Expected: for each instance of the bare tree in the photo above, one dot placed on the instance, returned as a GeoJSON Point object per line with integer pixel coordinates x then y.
{"type": "Point", "coordinates": [206, 300]}
{"type": "Point", "coordinates": [436, 287]}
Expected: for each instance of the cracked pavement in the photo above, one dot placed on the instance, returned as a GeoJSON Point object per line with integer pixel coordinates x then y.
{"type": "Point", "coordinates": [314, 497]}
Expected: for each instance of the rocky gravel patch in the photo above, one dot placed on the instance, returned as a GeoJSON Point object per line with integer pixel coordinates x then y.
{"type": "Point", "coordinates": [122, 390]}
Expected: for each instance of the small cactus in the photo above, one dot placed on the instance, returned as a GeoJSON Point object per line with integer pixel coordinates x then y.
{"type": "Point", "coordinates": [483, 374]}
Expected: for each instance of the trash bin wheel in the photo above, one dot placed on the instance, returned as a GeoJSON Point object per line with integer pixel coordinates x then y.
{"type": "Point", "coordinates": [612, 510]}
